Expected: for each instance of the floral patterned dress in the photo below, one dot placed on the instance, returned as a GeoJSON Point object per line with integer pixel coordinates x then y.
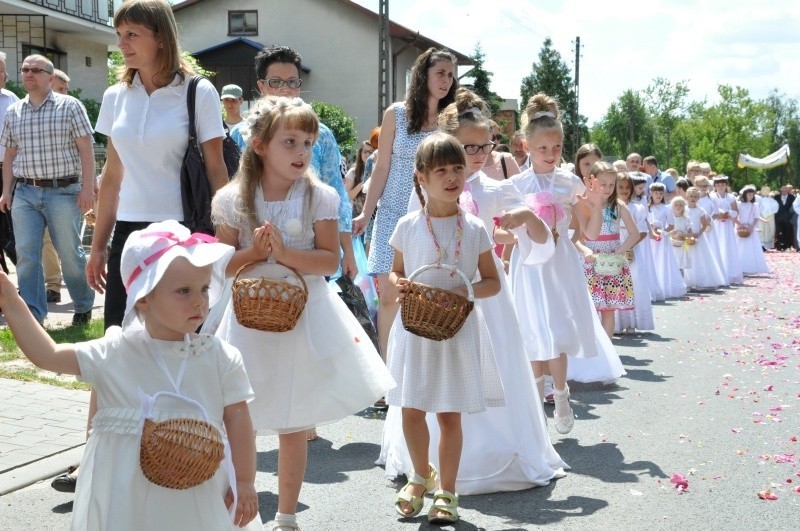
{"type": "Point", "coordinates": [609, 292]}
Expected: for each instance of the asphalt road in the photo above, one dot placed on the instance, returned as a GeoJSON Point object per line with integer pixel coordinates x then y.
{"type": "Point", "coordinates": [713, 396]}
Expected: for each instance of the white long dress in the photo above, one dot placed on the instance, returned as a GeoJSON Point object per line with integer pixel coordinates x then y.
{"type": "Point", "coordinates": [713, 237]}
{"type": "Point", "coordinates": [505, 448]}
{"type": "Point", "coordinates": [682, 225]}
{"type": "Point", "coordinates": [705, 272]}
{"type": "Point", "coordinates": [641, 317]}
{"type": "Point", "coordinates": [113, 493]}
{"type": "Point", "coordinates": [726, 233]}
{"type": "Point", "coordinates": [553, 305]}
{"type": "Point", "coordinates": [326, 368]}
{"type": "Point", "coordinates": [668, 274]}
{"type": "Point", "coordinates": [751, 256]}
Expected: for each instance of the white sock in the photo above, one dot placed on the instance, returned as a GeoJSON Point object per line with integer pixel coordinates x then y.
{"type": "Point", "coordinates": [561, 398]}
{"type": "Point", "coordinates": [286, 519]}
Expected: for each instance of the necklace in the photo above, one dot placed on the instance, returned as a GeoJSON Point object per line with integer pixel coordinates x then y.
{"type": "Point", "coordinates": [442, 251]}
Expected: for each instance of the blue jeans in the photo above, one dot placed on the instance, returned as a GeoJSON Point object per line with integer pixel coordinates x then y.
{"type": "Point", "coordinates": [57, 208]}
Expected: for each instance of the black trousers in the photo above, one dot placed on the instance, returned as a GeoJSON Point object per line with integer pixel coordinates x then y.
{"type": "Point", "coordinates": [784, 233]}
{"type": "Point", "coordinates": [114, 309]}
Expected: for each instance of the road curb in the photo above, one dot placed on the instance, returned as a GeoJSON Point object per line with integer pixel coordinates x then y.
{"type": "Point", "coordinates": [40, 470]}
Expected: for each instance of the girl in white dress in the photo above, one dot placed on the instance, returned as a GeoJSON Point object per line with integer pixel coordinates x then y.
{"type": "Point", "coordinates": [705, 202]}
{"type": "Point", "coordinates": [705, 272]}
{"type": "Point", "coordinates": [505, 448]}
{"type": "Point", "coordinates": [724, 216]}
{"type": "Point", "coordinates": [171, 276]}
{"type": "Point", "coordinates": [668, 274]}
{"type": "Point", "coordinates": [553, 305]}
{"type": "Point", "coordinates": [751, 256]}
{"type": "Point", "coordinates": [681, 228]}
{"type": "Point", "coordinates": [641, 317]}
{"type": "Point", "coordinates": [280, 218]}
{"type": "Point", "coordinates": [456, 375]}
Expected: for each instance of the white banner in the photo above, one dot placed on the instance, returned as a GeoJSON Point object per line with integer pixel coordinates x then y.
{"type": "Point", "coordinates": [770, 161]}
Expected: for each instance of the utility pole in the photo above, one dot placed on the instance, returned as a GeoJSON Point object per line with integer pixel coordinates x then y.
{"type": "Point", "coordinates": [575, 121]}
{"type": "Point", "coordinates": [383, 58]}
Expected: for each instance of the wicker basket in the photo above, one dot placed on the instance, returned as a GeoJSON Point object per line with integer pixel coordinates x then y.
{"type": "Point", "coordinates": [268, 304]}
{"type": "Point", "coordinates": [690, 240]}
{"type": "Point", "coordinates": [435, 313]}
{"type": "Point", "coordinates": [743, 232]}
{"type": "Point", "coordinates": [180, 453]}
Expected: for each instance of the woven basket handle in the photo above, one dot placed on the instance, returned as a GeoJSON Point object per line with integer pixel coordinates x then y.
{"type": "Point", "coordinates": [254, 262]}
{"type": "Point", "coordinates": [470, 292]}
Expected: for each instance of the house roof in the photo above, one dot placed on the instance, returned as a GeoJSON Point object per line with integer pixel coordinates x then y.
{"type": "Point", "coordinates": [396, 30]}
{"type": "Point", "coordinates": [253, 44]}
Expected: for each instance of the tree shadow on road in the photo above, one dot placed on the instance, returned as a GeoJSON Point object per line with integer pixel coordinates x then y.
{"type": "Point", "coordinates": [605, 462]}
{"type": "Point", "coordinates": [525, 508]}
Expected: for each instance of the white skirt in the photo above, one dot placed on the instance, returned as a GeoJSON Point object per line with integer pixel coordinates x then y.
{"type": "Point", "coordinates": [705, 272]}
{"type": "Point", "coordinates": [751, 256]}
{"type": "Point", "coordinates": [322, 371]}
{"type": "Point", "coordinates": [505, 448]}
{"type": "Point", "coordinates": [668, 274]}
{"type": "Point", "coordinates": [605, 368]}
{"type": "Point", "coordinates": [728, 247]}
{"type": "Point", "coordinates": [641, 317]}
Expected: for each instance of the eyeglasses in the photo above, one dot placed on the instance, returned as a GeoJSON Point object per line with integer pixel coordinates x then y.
{"type": "Point", "coordinates": [497, 138]}
{"type": "Point", "coordinates": [276, 82]}
{"type": "Point", "coordinates": [473, 149]}
{"type": "Point", "coordinates": [34, 71]}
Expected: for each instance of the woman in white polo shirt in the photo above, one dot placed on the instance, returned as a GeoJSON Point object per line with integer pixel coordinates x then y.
{"type": "Point", "coordinates": [147, 124]}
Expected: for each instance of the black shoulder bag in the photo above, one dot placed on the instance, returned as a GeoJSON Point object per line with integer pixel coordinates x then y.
{"type": "Point", "coordinates": [195, 188]}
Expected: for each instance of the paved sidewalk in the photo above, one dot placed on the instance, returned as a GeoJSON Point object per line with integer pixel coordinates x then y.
{"type": "Point", "coordinates": [42, 427]}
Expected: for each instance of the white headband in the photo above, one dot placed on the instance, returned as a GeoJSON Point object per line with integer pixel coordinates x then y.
{"type": "Point", "coordinates": [472, 110]}
{"type": "Point", "coordinates": [542, 114]}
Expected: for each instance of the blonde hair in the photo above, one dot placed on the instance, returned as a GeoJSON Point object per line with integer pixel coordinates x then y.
{"type": "Point", "coordinates": [263, 121]}
{"type": "Point", "coordinates": [700, 179]}
{"type": "Point", "coordinates": [692, 165]}
{"type": "Point", "coordinates": [155, 15]}
{"type": "Point", "coordinates": [678, 201]}
{"type": "Point", "coordinates": [541, 114]}
{"type": "Point", "coordinates": [693, 191]}
{"type": "Point", "coordinates": [620, 165]}
{"type": "Point", "coordinates": [468, 110]}
{"type": "Point", "coordinates": [435, 151]}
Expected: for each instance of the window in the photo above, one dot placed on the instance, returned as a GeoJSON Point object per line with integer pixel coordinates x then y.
{"type": "Point", "coordinates": [58, 58]}
{"type": "Point", "coordinates": [242, 23]}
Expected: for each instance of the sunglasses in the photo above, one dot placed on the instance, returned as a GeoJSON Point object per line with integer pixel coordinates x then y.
{"type": "Point", "coordinates": [34, 71]}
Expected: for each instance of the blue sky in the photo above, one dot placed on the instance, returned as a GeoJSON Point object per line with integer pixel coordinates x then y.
{"type": "Point", "coordinates": [625, 44]}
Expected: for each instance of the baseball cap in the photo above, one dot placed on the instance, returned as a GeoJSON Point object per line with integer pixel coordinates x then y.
{"type": "Point", "coordinates": [231, 91]}
{"type": "Point", "coordinates": [149, 252]}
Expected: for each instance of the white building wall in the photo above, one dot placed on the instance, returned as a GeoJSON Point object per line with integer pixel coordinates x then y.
{"type": "Point", "coordinates": [338, 44]}
{"type": "Point", "coordinates": [92, 80]}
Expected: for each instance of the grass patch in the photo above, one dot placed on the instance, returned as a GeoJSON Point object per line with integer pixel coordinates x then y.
{"type": "Point", "coordinates": [15, 366]}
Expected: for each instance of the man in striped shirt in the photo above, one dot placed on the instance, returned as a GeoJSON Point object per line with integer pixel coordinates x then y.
{"type": "Point", "coordinates": [49, 166]}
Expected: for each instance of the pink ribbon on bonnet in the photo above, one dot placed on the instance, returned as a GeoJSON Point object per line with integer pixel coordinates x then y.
{"type": "Point", "coordinates": [194, 239]}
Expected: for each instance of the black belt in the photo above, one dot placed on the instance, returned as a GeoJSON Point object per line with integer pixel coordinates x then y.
{"type": "Point", "coordinates": [49, 183]}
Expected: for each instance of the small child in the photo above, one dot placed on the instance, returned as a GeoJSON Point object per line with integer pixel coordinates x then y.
{"type": "Point", "coordinates": [705, 272]}
{"type": "Point", "coordinates": [724, 216]}
{"type": "Point", "coordinates": [171, 277]}
{"type": "Point", "coordinates": [703, 185]}
{"type": "Point", "coordinates": [681, 229]}
{"type": "Point", "coordinates": [456, 375]}
{"type": "Point", "coordinates": [668, 273]}
{"type": "Point", "coordinates": [748, 246]}
{"type": "Point", "coordinates": [505, 448]}
{"type": "Point", "coordinates": [641, 317]}
{"type": "Point", "coordinates": [283, 222]}
{"type": "Point", "coordinates": [609, 292]}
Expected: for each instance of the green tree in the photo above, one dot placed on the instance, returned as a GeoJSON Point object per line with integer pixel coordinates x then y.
{"type": "Point", "coordinates": [666, 103]}
{"type": "Point", "coordinates": [482, 79]}
{"type": "Point", "coordinates": [551, 76]}
{"type": "Point", "coordinates": [737, 124]}
{"type": "Point", "coordinates": [784, 129]}
{"type": "Point", "coordinates": [625, 128]}
{"type": "Point", "coordinates": [341, 125]}
{"type": "Point", "coordinates": [115, 63]}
